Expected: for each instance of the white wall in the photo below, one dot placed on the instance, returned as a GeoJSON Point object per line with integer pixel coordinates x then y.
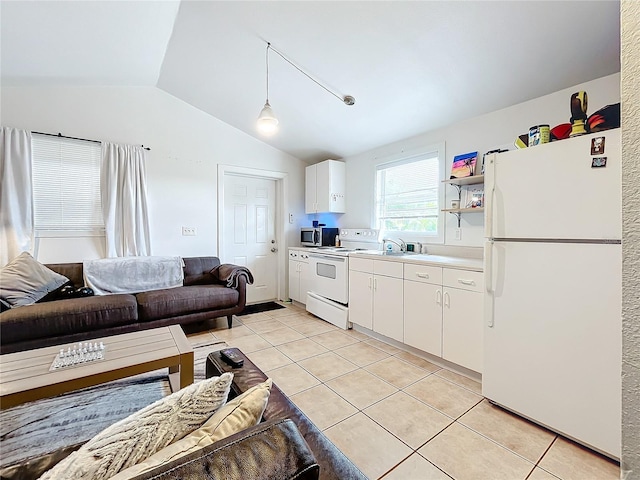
{"type": "Point", "coordinates": [186, 147]}
{"type": "Point", "coordinates": [484, 133]}
{"type": "Point", "coordinates": [630, 23]}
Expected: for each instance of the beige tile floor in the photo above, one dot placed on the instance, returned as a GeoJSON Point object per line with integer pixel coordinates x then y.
{"type": "Point", "coordinates": [398, 416]}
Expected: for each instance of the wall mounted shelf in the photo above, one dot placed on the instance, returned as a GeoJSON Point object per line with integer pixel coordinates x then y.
{"type": "Point", "coordinates": [465, 180]}
{"type": "Point", "coordinates": [464, 210]}
{"type": "Point", "coordinates": [458, 183]}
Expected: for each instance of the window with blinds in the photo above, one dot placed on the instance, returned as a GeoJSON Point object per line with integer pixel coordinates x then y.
{"type": "Point", "coordinates": [66, 186]}
{"type": "Point", "coordinates": [408, 196]}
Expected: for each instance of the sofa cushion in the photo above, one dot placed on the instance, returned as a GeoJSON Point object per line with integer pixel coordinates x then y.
{"type": "Point", "coordinates": [24, 281]}
{"type": "Point", "coordinates": [196, 269]}
{"type": "Point", "coordinates": [184, 301]}
{"type": "Point", "coordinates": [62, 317]}
{"type": "Point", "coordinates": [142, 434]}
{"type": "Point", "coordinates": [73, 271]}
{"type": "Point", "coordinates": [240, 413]}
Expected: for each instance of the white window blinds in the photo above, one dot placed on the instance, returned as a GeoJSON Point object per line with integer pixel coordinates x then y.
{"type": "Point", "coordinates": [407, 195]}
{"type": "Point", "coordinates": [66, 185]}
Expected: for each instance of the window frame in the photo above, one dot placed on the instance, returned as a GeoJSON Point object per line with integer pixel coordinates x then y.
{"type": "Point", "coordinates": [404, 158]}
{"type": "Point", "coordinates": [67, 232]}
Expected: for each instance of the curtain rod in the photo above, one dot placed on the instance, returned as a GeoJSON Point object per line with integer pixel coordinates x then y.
{"type": "Point", "coordinates": [76, 138]}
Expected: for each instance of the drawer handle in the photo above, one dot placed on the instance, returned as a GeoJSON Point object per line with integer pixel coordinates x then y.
{"type": "Point", "coordinates": [466, 282]}
{"type": "Point", "coordinates": [422, 275]}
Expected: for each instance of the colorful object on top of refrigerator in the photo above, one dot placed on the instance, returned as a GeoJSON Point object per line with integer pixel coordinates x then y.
{"type": "Point", "coordinates": [553, 256]}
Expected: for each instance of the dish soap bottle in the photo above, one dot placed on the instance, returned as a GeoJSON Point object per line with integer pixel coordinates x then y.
{"type": "Point", "coordinates": [337, 240]}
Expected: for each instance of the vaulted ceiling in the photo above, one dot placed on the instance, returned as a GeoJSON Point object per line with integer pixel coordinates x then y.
{"type": "Point", "coordinates": [412, 66]}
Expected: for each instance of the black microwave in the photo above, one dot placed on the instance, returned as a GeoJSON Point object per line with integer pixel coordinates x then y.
{"type": "Point", "coordinates": [318, 236]}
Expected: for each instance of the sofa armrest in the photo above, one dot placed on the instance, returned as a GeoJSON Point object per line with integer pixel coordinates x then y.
{"type": "Point", "coordinates": [273, 449]}
{"type": "Point", "coordinates": [231, 275]}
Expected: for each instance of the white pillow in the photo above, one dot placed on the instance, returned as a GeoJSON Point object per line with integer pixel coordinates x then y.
{"type": "Point", "coordinates": [24, 281]}
{"type": "Point", "coordinates": [137, 437]}
{"type": "Point", "coordinates": [240, 413]}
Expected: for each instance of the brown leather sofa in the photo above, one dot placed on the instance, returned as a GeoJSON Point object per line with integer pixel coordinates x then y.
{"type": "Point", "coordinates": [204, 295]}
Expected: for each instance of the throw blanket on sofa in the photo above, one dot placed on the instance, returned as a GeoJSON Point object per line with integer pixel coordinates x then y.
{"type": "Point", "coordinates": [231, 274]}
{"type": "Point", "coordinates": [132, 274]}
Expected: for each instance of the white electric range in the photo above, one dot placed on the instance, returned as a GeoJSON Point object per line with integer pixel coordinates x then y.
{"type": "Point", "coordinates": [328, 294]}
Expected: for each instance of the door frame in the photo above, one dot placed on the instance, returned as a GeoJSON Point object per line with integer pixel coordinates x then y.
{"type": "Point", "coordinates": [282, 193]}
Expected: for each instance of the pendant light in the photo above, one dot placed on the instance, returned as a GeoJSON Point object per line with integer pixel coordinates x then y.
{"type": "Point", "coordinates": [267, 121]}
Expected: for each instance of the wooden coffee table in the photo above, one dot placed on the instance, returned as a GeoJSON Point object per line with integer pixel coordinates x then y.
{"type": "Point", "coordinates": [25, 376]}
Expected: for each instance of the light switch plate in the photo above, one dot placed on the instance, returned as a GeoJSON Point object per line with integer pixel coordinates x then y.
{"type": "Point", "coordinates": [291, 218]}
{"type": "Point", "coordinates": [189, 231]}
{"type": "Point", "coordinates": [458, 234]}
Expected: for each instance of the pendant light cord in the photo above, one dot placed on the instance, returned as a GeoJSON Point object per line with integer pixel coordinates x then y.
{"type": "Point", "coordinates": [348, 100]}
{"type": "Point", "coordinates": [267, 55]}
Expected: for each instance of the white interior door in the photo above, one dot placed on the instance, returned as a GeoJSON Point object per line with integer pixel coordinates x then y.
{"type": "Point", "coordinates": [249, 233]}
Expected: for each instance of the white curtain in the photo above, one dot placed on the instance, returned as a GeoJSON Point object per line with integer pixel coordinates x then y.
{"type": "Point", "coordinates": [16, 194]}
{"type": "Point", "coordinates": [123, 189]}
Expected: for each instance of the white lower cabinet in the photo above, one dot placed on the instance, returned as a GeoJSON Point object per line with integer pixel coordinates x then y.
{"type": "Point", "coordinates": [462, 309]}
{"type": "Point", "coordinates": [443, 313]}
{"type": "Point", "coordinates": [423, 308]}
{"type": "Point", "coordinates": [360, 298]}
{"type": "Point", "coordinates": [298, 275]}
{"type": "Point", "coordinates": [375, 296]}
{"type": "Point", "coordinates": [388, 307]}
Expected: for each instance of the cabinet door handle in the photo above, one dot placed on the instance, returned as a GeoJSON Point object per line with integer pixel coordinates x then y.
{"type": "Point", "coordinates": [438, 297]}
{"type": "Point", "coordinates": [369, 283]}
{"type": "Point", "coordinates": [375, 284]}
{"type": "Point", "coordinates": [447, 299]}
{"type": "Point", "coordinates": [422, 275]}
{"type": "Point", "coordinates": [466, 282]}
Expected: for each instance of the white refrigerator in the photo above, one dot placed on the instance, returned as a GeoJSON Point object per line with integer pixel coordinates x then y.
{"type": "Point", "coordinates": [553, 260]}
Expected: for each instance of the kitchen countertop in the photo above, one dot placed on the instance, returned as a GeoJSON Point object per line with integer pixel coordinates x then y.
{"type": "Point", "coordinates": [460, 263]}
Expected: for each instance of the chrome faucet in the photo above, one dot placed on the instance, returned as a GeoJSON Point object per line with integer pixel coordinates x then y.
{"type": "Point", "coordinates": [402, 244]}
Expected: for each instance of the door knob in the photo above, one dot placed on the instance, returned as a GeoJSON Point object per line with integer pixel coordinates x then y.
{"type": "Point", "coordinates": [274, 249]}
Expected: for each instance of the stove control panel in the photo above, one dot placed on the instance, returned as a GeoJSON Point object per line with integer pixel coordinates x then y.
{"type": "Point", "coordinates": [360, 238]}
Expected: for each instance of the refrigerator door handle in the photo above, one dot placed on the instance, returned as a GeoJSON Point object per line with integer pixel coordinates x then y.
{"type": "Point", "coordinates": [489, 205]}
{"type": "Point", "coordinates": [488, 282]}
{"type": "Point", "coordinates": [488, 224]}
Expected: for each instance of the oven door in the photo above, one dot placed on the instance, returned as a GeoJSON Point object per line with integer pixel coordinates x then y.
{"type": "Point", "coordinates": [329, 277]}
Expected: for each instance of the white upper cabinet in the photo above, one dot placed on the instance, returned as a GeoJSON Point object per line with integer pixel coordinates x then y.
{"type": "Point", "coordinates": [324, 187]}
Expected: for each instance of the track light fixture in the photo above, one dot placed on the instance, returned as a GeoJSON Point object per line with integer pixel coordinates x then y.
{"type": "Point", "coordinates": [267, 121]}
